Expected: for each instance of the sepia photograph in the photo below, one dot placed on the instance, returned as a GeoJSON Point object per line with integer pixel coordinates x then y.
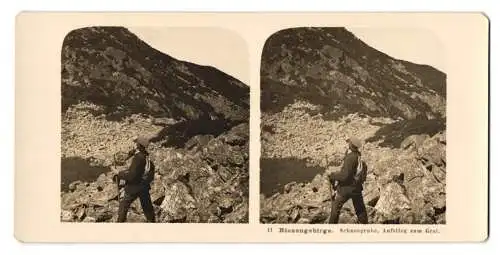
{"type": "Point", "coordinates": [251, 127]}
{"type": "Point", "coordinates": [353, 127]}
{"type": "Point", "coordinates": [154, 125]}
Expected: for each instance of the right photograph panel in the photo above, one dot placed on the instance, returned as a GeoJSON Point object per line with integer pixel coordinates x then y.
{"type": "Point", "coordinates": [353, 127]}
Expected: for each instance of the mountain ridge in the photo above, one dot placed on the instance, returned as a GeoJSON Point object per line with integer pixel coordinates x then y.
{"type": "Point", "coordinates": [111, 54]}
{"type": "Point", "coordinates": [339, 70]}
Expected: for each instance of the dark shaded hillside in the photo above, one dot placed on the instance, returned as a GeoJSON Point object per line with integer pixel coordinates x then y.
{"type": "Point", "coordinates": [113, 68]}
{"type": "Point", "coordinates": [333, 68]}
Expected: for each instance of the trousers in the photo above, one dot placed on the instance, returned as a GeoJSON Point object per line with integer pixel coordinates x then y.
{"type": "Point", "coordinates": [130, 197]}
{"type": "Point", "coordinates": [357, 200]}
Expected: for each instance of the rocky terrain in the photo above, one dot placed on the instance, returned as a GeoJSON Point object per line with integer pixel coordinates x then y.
{"type": "Point", "coordinates": [323, 85]}
{"type": "Point", "coordinates": [116, 87]}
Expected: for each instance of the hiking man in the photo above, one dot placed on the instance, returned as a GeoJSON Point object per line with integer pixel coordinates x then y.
{"type": "Point", "coordinates": [347, 186]}
{"type": "Point", "coordinates": [138, 178]}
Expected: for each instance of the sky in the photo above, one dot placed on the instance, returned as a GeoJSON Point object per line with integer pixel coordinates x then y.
{"type": "Point", "coordinates": [220, 48]}
{"type": "Point", "coordinates": [414, 45]}
{"type": "Point", "coordinates": [228, 52]}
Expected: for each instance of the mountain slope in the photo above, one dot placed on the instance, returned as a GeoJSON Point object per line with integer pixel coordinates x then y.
{"type": "Point", "coordinates": [320, 86]}
{"type": "Point", "coordinates": [116, 87]}
{"type": "Point", "coordinates": [112, 67]}
{"type": "Point", "coordinates": [335, 69]}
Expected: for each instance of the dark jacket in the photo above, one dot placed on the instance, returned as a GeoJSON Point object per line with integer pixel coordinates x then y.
{"type": "Point", "coordinates": [346, 175]}
{"type": "Point", "coordinates": [133, 175]}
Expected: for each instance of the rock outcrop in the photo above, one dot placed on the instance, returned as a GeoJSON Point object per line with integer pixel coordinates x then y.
{"type": "Point", "coordinates": [321, 86]}
{"type": "Point", "coordinates": [116, 87]}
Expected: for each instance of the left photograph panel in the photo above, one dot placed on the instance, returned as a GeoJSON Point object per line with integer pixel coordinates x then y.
{"type": "Point", "coordinates": [155, 125]}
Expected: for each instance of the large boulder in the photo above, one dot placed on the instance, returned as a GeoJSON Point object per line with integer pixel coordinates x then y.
{"type": "Point", "coordinates": [393, 202]}
{"type": "Point", "coordinates": [177, 203]}
{"type": "Point", "coordinates": [303, 202]}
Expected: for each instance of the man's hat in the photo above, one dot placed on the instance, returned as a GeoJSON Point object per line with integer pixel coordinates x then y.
{"type": "Point", "coordinates": [144, 141]}
{"type": "Point", "coordinates": [355, 141]}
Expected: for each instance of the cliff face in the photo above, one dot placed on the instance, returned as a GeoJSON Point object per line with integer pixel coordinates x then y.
{"type": "Point", "coordinates": [320, 86]}
{"type": "Point", "coordinates": [116, 87]}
